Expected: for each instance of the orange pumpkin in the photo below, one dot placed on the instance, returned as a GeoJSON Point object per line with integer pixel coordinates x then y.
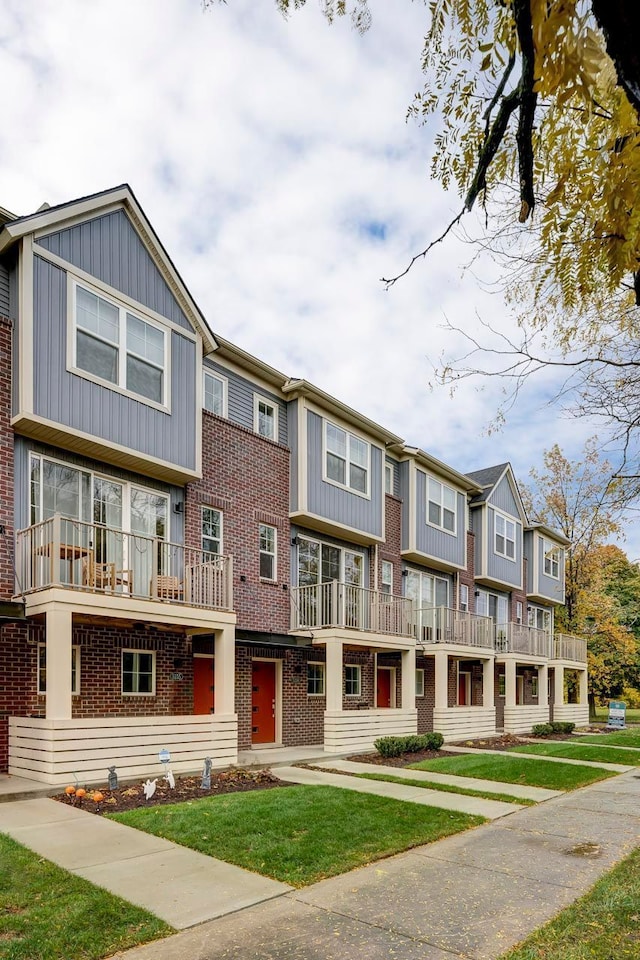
{"type": "Point", "coordinates": [81, 792]}
{"type": "Point", "coordinates": [98, 797]}
{"type": "Point", "coordinates": [69, 790]}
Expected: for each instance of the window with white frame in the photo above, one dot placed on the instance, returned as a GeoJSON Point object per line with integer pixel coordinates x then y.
{"type": "Point", "coordinates": [138, 672]}
{"type": "Point", "coordinates": [315, 679]}
{"type": "Point", "coordinates": [214, 393]}
{"type": "Point", "coordinates": [119, 347]}
{"type": "Point", "coordinates": [534, 685]}
{"type": "Point", "coordinates": [540, 617]}
{"type": "Point", "coordinates": [519, 611]}
{"type": "Point", "coordinates": [464, 597]}
{"type": "Point", "coordinates": [42, 669]}
{"type": "Point", "coordinates": [323, 562]}
{"type": "Point", "coordinates": [346, 459]}
{"type": "Point", "coordinates": [441, 505]}
{"type": "Point", "coordinates": [268, 547]}
{"type": "Point", "coordinates": [505, 537]}
{"type": "Point", "coordinates": [426, 589]}
{"type": "Point", "coordinates": [419, 683]}
{"type": "Point", "coordinates": [551, 560]}
{"type": "Point", "coordinates": [502, 684]}
{"type": "Point", "coordinates": [265, 418]}
{"type": "Point", "coordinates": [211, 530]}
{"type": "Point", "coordinates": [386, 577]}
{"type": "Point", "coordinates": [352, 680]}
{"type": "Point", "coordinates": [388, 478]}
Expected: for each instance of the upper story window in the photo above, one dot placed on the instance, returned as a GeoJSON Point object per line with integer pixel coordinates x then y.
{"type": "Point", "coordinates": [464, 598]}
{"type": "Point", "coordinates": [505, 537]}
{"type": "Point", "coordinates": [347, 459]}
{"type": "Point", "coordinates": [268, 557]}
{"type": "Point", "coordinates": [386, 577]}
{"type": "Point", "coordinates": [388, 478]}
{"type": "Point", "coordinates": [118, 347]}
{"type": "Point", "coordinates": [441, 505]}
{"type": "Point", "coordinates": [211, 530]}
{"type": "Point", "coordinates": [323, 562]}
{"type": "Point", "coordinates": [215, 394]}
{"type": "Point", "coordinates": [551, 560]}
{"type": "Point", "coordinates": [265, 418]}
{"type": "Point", "coordinates": [426, 589]}
{"type": "Point", "coordinates": [540, 617]}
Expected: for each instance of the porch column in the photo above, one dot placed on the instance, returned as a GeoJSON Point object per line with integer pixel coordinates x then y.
{"type": "Point", "coordinates": [543, 685]}
{"type": "Point", "coordinates": [408, 689]}
{"type": "Point", "coordinates": [225, 675]}
{"type": "Point", "coordinates": [488, 698]}
{"type": "Point", "coordinates": [442, 680]}
{"type": "Point", "coordinates": [583, 697]}
{"type": "Point", "coordinates": [334, 675]}
{"type": "Point", "coordinates": [558, 685]}
{"type": "Point", "coordinates": [510, 683]}
{"type": "Point", "coordinates": [58, 648]}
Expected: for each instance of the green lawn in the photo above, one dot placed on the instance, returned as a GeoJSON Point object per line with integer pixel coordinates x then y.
{"type": "Point", "coordinates": [572, 750]}
{"type": "Point", "coordinates": [445, 788]}
{"type": "Point", "coordinates": [602, 925]}
{"type": "Point", "coordinates": [620, 738]}
{"type": "Point", "coordinates": [300, 834]}
{"type": "Point", "coordinates": [633, 716]}
{"type": "Point", "coordinates": [47, 913]}
{"type": "Point", "coordinates": [508, 769]}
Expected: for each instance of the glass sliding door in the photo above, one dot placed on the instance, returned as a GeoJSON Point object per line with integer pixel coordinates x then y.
{"type": "Point", "coordinates": [148, 556]}
{"type": "Point", "coordinates": [109, 547]}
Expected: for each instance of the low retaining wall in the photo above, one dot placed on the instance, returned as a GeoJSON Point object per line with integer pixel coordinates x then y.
{"type": "Point", "coordinates": [357, 729]}
{"type": "Point", "coordinates": [465, 723]}
{"type": "Point", "coordinates": [59, 751]}
{"type": "Point", "coordinates": [577, 713]}
{"type": "Point", "coordinates": [520, 719]}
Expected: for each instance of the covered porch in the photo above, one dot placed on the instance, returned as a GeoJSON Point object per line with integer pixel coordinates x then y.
{"type": "Point", "coordinates": [570, 680]}
{"type": "Point", "coordinates": [525, 687]}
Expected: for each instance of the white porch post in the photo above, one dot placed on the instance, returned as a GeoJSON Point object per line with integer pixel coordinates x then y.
{"type": "Point", "coordinates": [558, 685]}
{"type": "Point", "coordinates": [584, 698]}
{"type": "Point", "coordinates": [408, 665]}
{"type": "Point", "coordinates": [509, 683]}
{"type": "Point", "coordinates": [543, 685]}
{"type": "Point", "coordinates": [58, 645]}
{"type": "Point", "coordinates": [488, 698]}
{"type": "Point", "coordinates": [334, 675]}
{"type": "Point", "coordinates": [441, 680]}
{"type": "Point", "coordinates": [225, 651]}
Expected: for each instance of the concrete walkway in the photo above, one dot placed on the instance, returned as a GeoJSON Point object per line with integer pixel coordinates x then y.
{"type": "Point", "coordinates": [472, 895]}
{"type": "Point", "coordinates": [181, 886]}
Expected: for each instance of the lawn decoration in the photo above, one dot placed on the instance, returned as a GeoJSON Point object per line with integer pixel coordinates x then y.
{"type": "Point", "coordinates": [149, 788]}
{"type": "Point", "coordinates": [206, 774]}
{"type": "Point", "coordinates": [112, 778]}
{"type": "Point", "coordinates": [171, 780]}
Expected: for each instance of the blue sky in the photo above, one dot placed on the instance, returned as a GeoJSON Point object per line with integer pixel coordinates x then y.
{"type": "Point", "coordinates": [275, 161]}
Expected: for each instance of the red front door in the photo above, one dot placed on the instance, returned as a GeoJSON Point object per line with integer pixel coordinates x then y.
{"type": "Point", "coordinates": [203, 685]}
{"type": "Point", "coordinates": [383, 688]}
{"type": "Point", "coordinates": [263, 702]}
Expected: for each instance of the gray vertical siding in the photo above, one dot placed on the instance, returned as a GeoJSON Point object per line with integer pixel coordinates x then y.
{"type": "Point", "coordinates": [430, 540]}
{"type": "Point", "coordinates": [475, 522]}
{"type": "Point", "coordinates": [24, 446]}
{"type": "Point", "coordinates": [4, 291]}
{"type": "Point", "coordinates": [501, 568]}
{"type": "Point", "coordinates": [99, 411]}
{"type": "Point", "coordinates": [326, 500]}
{"type": "Point", "coordinates": [547, 586]}
{"type": "Point", "coordinates": [240, 396]}
{"type": "Point", "coordinates": [503, 498]}
{"type": "Point", "coordinates": [395, 486]}
{"type": "Point", "coordinates": [108, 247]}
{"type": "Point", "coordinates": [292, 433]}
{"type": "Point", "coordinates": [528, 548]}
{"type": "Point", "coordinates": [403, 493]}
{"type": "Point", "coordinates": [13, 313]}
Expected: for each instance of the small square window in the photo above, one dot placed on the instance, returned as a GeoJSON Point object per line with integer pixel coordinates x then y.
{"type": "Point", "coordinates": [352, 680]}
{"type": "Point", "coordinates": [419, 683]}
{"type": "Point", "coordinates": [138, 673]}
{"type": "Point", "coordinates": [315, 679]}
{"type": "Point", "coordinates": [268, 542]}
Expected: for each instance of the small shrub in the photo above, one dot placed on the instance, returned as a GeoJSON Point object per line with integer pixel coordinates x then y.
{"type": "Point", "coordinates": [541, 729]}
{"type": "Point", "coordinates": [562, 726]}
{"type": "Point", "coordinates": [395, 746]}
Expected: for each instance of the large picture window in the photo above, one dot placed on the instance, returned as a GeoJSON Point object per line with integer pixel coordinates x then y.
{"type": "Point", "coordinates": [347, 459]}
{"type": "Point", "coordinates": [117, 346]}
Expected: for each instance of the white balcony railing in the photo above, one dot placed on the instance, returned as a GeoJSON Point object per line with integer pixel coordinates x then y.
{"type": "Point", "coordinates": [99, 559]}
{"type": "Point", "coordinates": [336, 604]}
{"type": "Point", "coordinates": [519, 638]}
{"type": "Point", "coordinates": [570, 648]}
{"type": "Point", "coordinates": [444, 625]}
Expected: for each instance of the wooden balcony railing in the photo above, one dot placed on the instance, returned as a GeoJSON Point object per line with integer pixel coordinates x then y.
{"type": "Point", "coordinates": [87, 556]}
{"type": "Point", "coordinates": [336, 604]}
{"type": "Point", "coordinates": [519, 638]}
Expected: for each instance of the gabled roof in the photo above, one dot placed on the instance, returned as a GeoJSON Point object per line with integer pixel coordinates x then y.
{"type": "Point", "coordinates": [56, 217]}
{"type": "Point", "coordinates": [294, 388]}
{"type": "Point", "coordinates": [425, 459]}
{"type": "Point", "coordinates": [488, 479]}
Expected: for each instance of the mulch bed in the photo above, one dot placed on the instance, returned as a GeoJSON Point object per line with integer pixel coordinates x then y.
{"type": "Point", "coordinates": [403, 760]}
{"type": "Point", "coordinates": [130, 796]}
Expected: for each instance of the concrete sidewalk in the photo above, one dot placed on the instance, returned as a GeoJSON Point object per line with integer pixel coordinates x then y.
{"type": "Point", "coordinates": [472, 895]}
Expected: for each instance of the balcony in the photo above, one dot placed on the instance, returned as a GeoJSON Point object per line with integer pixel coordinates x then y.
{"type": "Point", "coordinates": [102, 560]}
{"type": "Point", "coordinates": [444, 625]}
{"type": "Point", "coordinates": [344, 605]}
{"type": "Point", "coordinates": [570, 648]}
{"type": "Point", "coordinates": [521, 639]}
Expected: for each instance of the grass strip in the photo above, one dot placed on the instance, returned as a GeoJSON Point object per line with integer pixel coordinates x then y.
{"type": "Point", "coordinates": [601, 925]}
{"type": "Point", "coordinates": [510, 769]}
{"type": "Point", "coordinates": [445, 788]}
{"type": "Point", "coordinates": [571, 750]}
{"type": "Point", "coordinates": [47, 913]}
{"type": "Point", "coordinates": [298, 834]}
{"type": "Point", "coordinates": [620, 738]}
{"type": "Point", "coordinates": [632, 714]}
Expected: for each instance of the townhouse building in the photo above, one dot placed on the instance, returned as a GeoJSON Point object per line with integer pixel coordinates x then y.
{"type": "Point", "coordinates": [202, 554]}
